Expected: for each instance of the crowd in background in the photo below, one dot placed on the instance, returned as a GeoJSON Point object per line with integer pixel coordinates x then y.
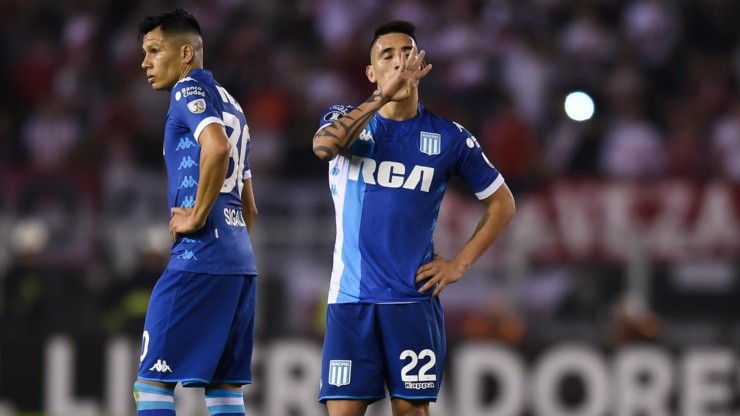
{"type": "Point", "coordinates": [81, 129]}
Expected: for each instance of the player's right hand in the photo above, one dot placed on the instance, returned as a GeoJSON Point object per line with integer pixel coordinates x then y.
{"type": "Point", "coordinates": [183, 221]}
{"type": "Point", "coordinates": [405, 81]}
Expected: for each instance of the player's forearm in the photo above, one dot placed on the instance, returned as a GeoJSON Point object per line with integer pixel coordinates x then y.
{"type": "Point", "coordinates": [499, 212]}
{"type": "Point", "coordinates": [214, 163]}
{"type": "Point", "coordinates": [249, 205]}
{"type": "Point", "coordinates": [331, 140]}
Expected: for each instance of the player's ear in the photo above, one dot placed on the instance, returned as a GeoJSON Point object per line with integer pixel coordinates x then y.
{"type": "Point", "coordinates": [187, 53]}
{"type": "Point", "coordinates": [370, 73]}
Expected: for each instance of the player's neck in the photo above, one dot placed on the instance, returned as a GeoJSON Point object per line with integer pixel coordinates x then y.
{"type": "Point", "coordinates": [186, 70]}
{"type": "Point", "coordinates": [400, 110]}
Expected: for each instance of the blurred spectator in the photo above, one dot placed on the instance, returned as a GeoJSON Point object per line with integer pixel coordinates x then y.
{"type": "Point", "coordinates": [725, 143]}
{"type": "Point", "coordinates": [127, 297]}
{"type": "Point", "coordinates": [38, 296]}
{"type": "Point", "coordinates": [50, 134]}
{"type": "Point", "coordinates": [526, 74]}
{"type": "Point", "coordinates": [572, 149]}
{"type": "Point", "coordinates": [686, 155]}
{"type": "Point", "coordinates": [497, 322]}
{"type": "Point", "coordinates": [633, 146]}
{"type": "Point", "coordinates": [510, 143]}
{"type": "Point", "coordinates": [632, 322]}
{"type": "Point", "coordinates": [651, 29]}
{"type": "Point", "coordinates": [269, 114]}
{"type": "Point", "coordinates": [34, 69]}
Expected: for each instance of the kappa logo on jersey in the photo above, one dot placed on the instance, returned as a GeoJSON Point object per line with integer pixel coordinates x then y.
{"type": "Point", "coordinates": [366, 136]}
{"type": "Point", "coordinates": [390, 174]}
{"type": "Point", "coordinates": [197, 106]}
{"type": "Point", "coordinates": [161, 367]}
{"type": "Point", "coordinates": [187, 255]}
{"type": "Point", "coordinates": [185, 143]}
{"type": "Point", "coordinates": [188, 202]}
{"type": "Point", "coordinates": [340, 372]}
{"type": "Point", "coordinates": [430, 143]}
{"type": "Point", "coordinates": [187, 163]}
{"type": "Point", "coordinates": [188, 182]}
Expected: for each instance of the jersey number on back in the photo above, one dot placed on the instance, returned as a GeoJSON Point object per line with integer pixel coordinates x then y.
{"type": "Point", "coordinates": [239, 137]}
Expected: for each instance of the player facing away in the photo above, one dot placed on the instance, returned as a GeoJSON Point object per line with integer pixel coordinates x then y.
{"type": "Point", "coordinates": [199, 326]}
{"type": "Point", "coordinates": [389, 162]}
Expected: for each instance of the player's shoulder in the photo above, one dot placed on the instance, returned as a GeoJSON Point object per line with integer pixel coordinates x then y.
{"type": "Point", "coordinates": [189, 87]}
{"type": "Point", "coordinates": [444, 125]}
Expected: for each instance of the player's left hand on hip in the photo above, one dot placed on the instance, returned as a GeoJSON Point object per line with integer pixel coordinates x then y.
{"type": "Point", "coordinates": [440, 272]}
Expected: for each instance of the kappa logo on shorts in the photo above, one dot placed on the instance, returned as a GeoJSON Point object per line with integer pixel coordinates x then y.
{"type": "Point", "coordinates": [161, 367]}
{"type": "Point", "coordinates": [340, 372]}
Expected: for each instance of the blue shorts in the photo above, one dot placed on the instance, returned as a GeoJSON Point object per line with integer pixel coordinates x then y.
{"type": "Point", "coordinates": [199, 329]}
{"type": "Point", "coordinates": [368, 347]}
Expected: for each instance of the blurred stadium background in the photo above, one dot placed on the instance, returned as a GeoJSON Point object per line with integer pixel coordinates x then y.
{"type": "Point", "coordinates": [614, 291]}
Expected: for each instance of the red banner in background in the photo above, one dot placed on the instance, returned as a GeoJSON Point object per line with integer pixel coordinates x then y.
{"type": "Point", "coordinates": [586, 220]}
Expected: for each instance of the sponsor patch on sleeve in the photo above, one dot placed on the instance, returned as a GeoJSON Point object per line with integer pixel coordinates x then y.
{"type": "Point", "coordinates": [333, 115]}
{"type": "Point", "coordinates": [197, 106]}
{"type": "Point", "coordinates": [335, 112]}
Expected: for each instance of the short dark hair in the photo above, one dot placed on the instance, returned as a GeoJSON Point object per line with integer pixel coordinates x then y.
{"type": "Point", "coordinates": [174, 22]}
{"type": "Point", "coordinates": [394, 26]}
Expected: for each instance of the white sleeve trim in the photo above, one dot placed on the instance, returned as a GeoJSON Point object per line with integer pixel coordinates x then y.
{"type": "Point", "coordinates": [491, 188]}
{"type": "Point", "coordinates": [322, 127]}
{"type": "Point", "coordinates": [248, 174]}
{"type": "Point", "coordinates": [205, 122]}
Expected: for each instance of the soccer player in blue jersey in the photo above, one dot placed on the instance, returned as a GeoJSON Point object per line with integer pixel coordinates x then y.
{"type": "Point", "coordinates": [389, 162]}
{"type": "Point", "coordinates": [199, 327]}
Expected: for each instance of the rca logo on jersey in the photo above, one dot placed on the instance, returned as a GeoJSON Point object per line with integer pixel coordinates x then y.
{"type": "Point", "coordinates": [340, 372]}
{"type": "Point", "coordinates": [161, 367]}
{"type": "Point", "coordinates": [197, 106]}
{"type": "Point", "coordinates": [390, 174]}
{"type": "Point", "coordinates": [430, 143]}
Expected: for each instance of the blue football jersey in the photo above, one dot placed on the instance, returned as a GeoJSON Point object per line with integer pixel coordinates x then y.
{"type": "Point", "coordinates": [387, 192]}
{"type": "Point", "coordinates": [222, 246]}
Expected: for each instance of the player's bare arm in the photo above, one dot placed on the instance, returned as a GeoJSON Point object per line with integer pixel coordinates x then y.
{"type": "Point", "coordinates": [500, 209]}
{"type": "Point", "coordinates": [338, 136]}
{"type": "Point", "coordinates": [214, 162]}
{"type": "Point", "coordinates": [249, 205]}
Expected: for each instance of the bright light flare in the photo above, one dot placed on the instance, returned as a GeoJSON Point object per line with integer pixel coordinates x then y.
{"type": "Point", "coordinates": [579, 106]}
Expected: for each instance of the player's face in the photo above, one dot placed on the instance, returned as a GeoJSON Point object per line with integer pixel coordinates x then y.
{"type": "Point", "coordinates": [387, 54]}
{"type": "Point", "coordinates": [162, 60]}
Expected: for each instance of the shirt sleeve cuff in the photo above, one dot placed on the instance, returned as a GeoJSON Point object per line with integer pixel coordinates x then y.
{"type": "Point", "coordinates": [205, 122]}
{"type": "Point", "coordinates": [491, 188]}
